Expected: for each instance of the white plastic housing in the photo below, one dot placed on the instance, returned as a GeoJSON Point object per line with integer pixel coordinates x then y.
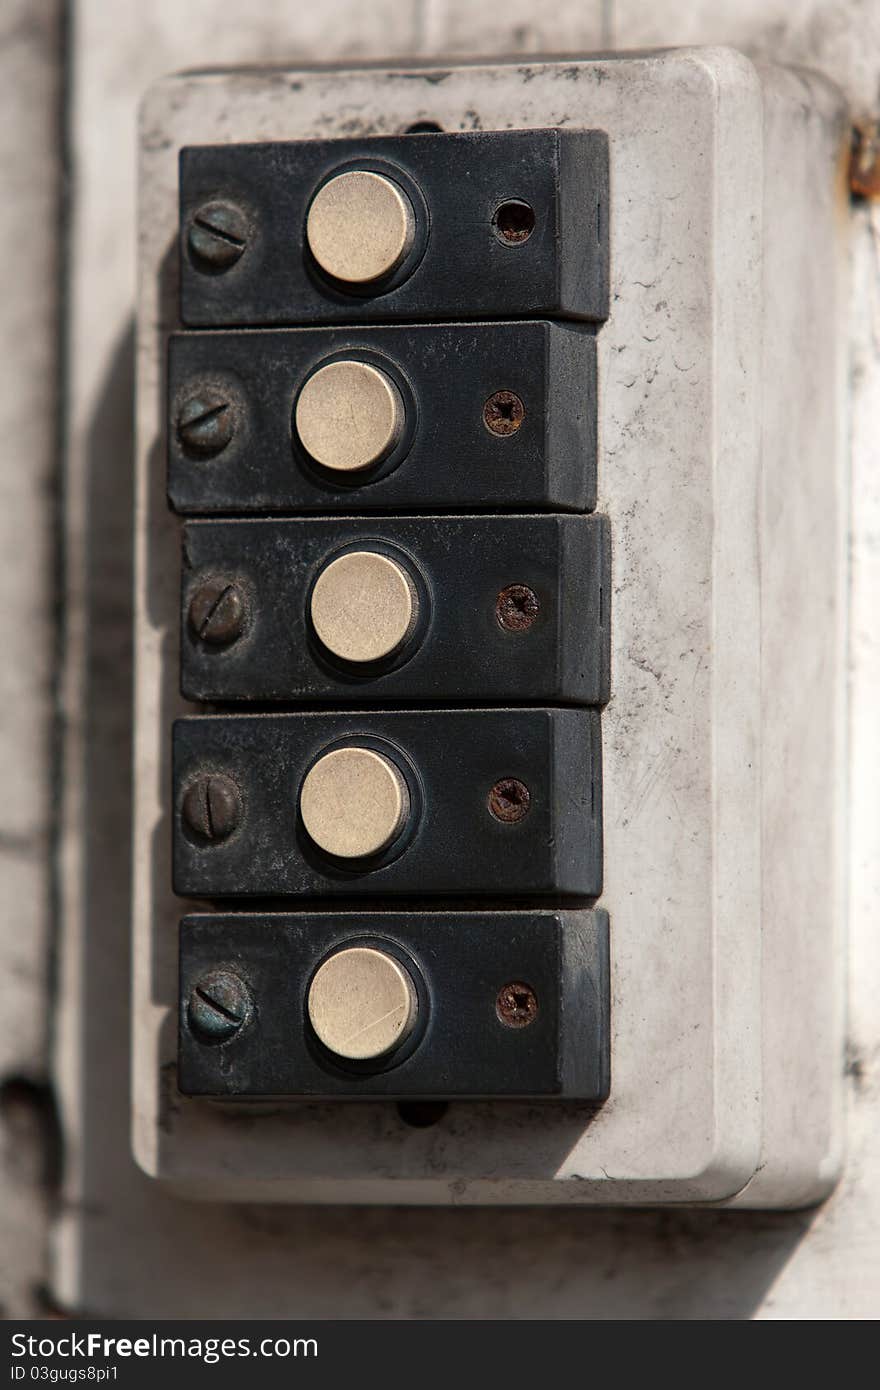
{"type": "Point", "coordinates": [721, 469]}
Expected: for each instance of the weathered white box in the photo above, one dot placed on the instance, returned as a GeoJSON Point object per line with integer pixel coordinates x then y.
{"type": "Point", "coordinates": [721, 467]}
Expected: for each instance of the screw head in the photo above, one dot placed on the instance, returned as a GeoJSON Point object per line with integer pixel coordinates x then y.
{"type": "Point", "coordinates": [219, 1006]}
{"type": "Point", "coordinates": [503, 413]}
{"type": "Point", "coordinates": [509, 800]}
{"type": "Point", "coordinates": [217, 236]}
{"type": "Point", "coordinates": [516, 1005]}
{"type": "Point", "coordinates": [217, 612]}
{"type": "Point", "coordinates": [206, 422]}
{"type": "Point", "coordinates": [516, 608]}
{"type": "Point", "coordinates": [211, 807]}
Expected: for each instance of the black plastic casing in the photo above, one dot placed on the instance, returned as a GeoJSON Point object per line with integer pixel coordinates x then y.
{"type": "Point", "coordinates": [459, 1047]}
{"type": "Point", "coordinates": [458, 649]}
{"type": "Point", "coordinates": [451, 845]}
{"type": "Point", "coordinates": [458, 266]}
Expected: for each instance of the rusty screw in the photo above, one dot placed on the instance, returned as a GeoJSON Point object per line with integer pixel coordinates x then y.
{"type": "Point", "coordinates": [206, 422]}
{"type": "Point", "coordinates": [503, 413]}
{"type": "Point", "coordinates": [516, 608]}
{"type": "Point", "coordinates": [211, 806]}
{"type": "Point", "coordinates": [509, 800]}
{"type": "Point", "coordinates": [218, 235]}
{"type": "Point", "coordinates": [217, 612]}
{"type": "Point", "coordinates": [219, 1006]}
{"type": "Point", "coordinates": [516, 1005]}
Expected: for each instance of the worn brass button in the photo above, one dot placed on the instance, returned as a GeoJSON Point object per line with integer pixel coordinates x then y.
{"type": "Point", "coordinates": [360, 226]}
{"type": "Point", "coordinates": [353, 802]}
{"type": "Point", "coordinates": [361, 1003]}
{"type": "Point", "coordinates": [363, 606]}
{"type": "Point", "coordinates": [349, 416]}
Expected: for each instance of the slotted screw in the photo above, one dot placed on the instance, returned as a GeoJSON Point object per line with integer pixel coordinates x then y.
{"type": "Point", "coordinates": [206, 422]}
{"type": "Point", "coordinates": [219, 1006]}
{"type": "Point", "coordinates": [211, 806]}
{"type": "Point", "coordinates": [217, 612]}
{"type": "Point", "coordinates": [218, 236]}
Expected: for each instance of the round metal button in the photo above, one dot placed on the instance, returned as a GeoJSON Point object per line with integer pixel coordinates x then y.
{"type": "Point", "coordinates": [349, 416]}
{"type": "Point", "coordinates": [360, 226]}
{"type": "Point", "coordinates": [361, 1003]}
{"type": "Point", "coordinates": [363, 606]}
{"type": "Point", "coordinates": [353, 802]}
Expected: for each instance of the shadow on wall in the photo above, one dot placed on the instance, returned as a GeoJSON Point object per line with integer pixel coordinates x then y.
{"type": "Point", "coordinates": [145, 1254]}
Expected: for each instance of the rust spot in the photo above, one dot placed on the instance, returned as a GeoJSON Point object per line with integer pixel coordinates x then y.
{"type": "Point", "coordinates": [509, 800]}
{"type": "Point", "coordinates": [516, 608]}
{"type": "Point", "coordinates": [864, 163]}
{"type": "Point", "coordinates": [503, 413]}
{"type": "Point", "coordinates": [516, 1005]}
{"type": "Point", "coordinates": [513, 222]}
